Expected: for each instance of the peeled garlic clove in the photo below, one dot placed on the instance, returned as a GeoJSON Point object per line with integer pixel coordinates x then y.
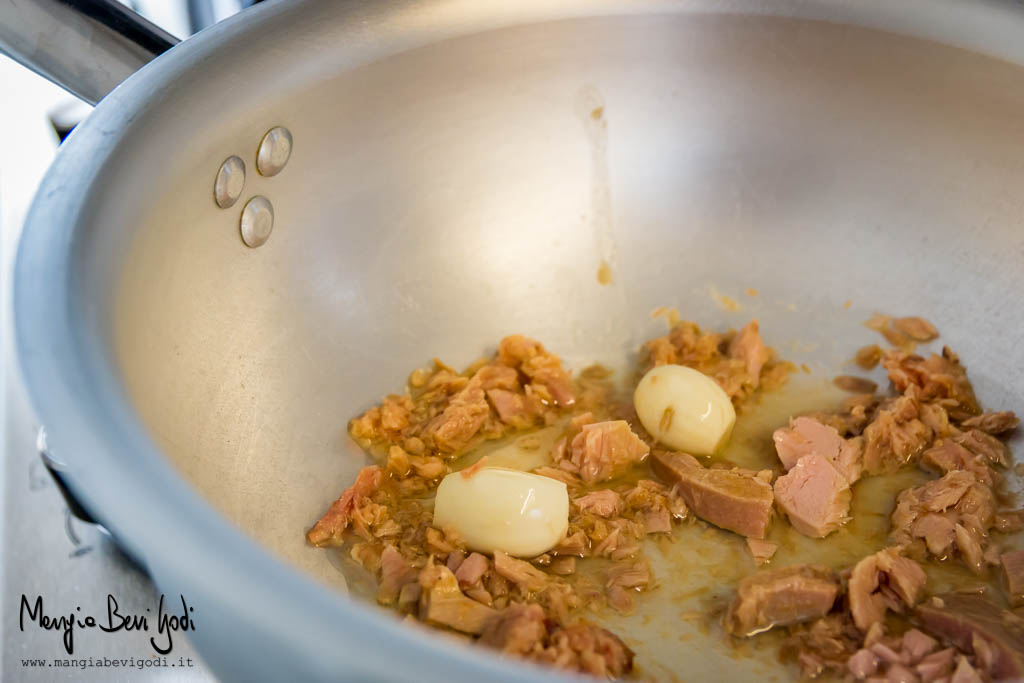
{"type": "Point", "coordinates": [495, 508]}
{"type": "Point", "coordinates": [684, 409]}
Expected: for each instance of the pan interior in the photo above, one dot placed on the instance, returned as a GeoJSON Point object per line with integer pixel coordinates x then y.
{"type": "Point", "coordinates": [444, 197]}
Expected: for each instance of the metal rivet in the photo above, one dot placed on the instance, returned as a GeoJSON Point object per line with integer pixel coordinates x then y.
{"type": "Point", "coordinates": [230, 181]}
{"type": "Point", "coordinates": [275, 149]}
{"type": "Point", "coordinates": [257, 221]}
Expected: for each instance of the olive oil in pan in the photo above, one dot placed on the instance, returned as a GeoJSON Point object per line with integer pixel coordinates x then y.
{"type": "Point", "coordinates": [676, 629]}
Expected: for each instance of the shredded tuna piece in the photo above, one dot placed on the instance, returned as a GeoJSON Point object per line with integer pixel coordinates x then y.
{"type": "Point", "coordinates": [519, 571]}
{"type": "Point", "coordinates": [748, 347]}
{"type": "Point", "coordinates": [780, 597]}
{"type": "Point", "coordinates": [567, 478]}
{"type": "Point", "coordinates": [604, 450]}
{"type": "Point", "coordinates": [629, 575]}
{"type": "Point", "coordinates": [443, 603]}
{"type": "Point", "coordinates": [863, 664]}
{"type": "Point", "coordinates": [512, 408]}
{"type": "Point", "coordinates": [885, 580]}
{"type": "Point", "coordinates": [937, 377]}
{"type": "Point", "coordinates": [855, 385]}
{"type": "Point", "coordinates": [1009, 521]}
{"type": "Point", "coordinates": [937, 665]}
{"type": "Point", "coordinates": [472, 569]}
{"type": "Point", "coordinates": [993, 423]}
{"type": "Point", "coordinates": [1013, 576]}
{"type": "Point", "coordinates": [738, 361]}
{"type": "Point", "coordinates": [825, 644]}
{"type": "Point", "coordinates": [961, 500]}
{"type": "Point", "coordinates": [563, 566]}
{"type": "Point", "coordinates": [542, 368]}
{"type": "Point", "coordinates": [603, 503]}
{"type": "Point", "coordinates": [461, 420]}
{"type": "Point", "coordinates": [895, 437]}
{"type": "Point", "coordinates": [516, 630]}
{"type": "Point", "coordinates": [868, 357]}
{"type": "Point", "coordinates": [395, 573]}
{"type": "Point", "coordinates": [762, 551]}
{"type": "Point", "coordinates": [916, 328]}
{"type": "Point", "coordinates": [965, 673]}
{"type": "Point", "coordinates": [917, 644]}
{"type": "Point", "coordinates": [657, 521]}
{"type": "Point", "coordinates": [949, 456]}
{"type": "Point", "coordinates": [985, 445]}
{"type": "Point", "coordinates": [338, 516]}
{"type": "Point", "coordinates": [588, 649]}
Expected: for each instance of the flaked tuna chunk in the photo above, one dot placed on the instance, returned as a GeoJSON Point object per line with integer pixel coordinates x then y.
{"type": "Point", "coordinates": [814, 496]}
{"type": "Point", "coordinates": [867, 357]}
{"type": "Point", "coordinates": [441, 602]}
{"type": "Point", "coordinates": [965, 673]}
{"type": "Point", "coordinates": [588, 649]}
{"type": "Point", "coordinates": [937, 377]}
{"type": "Point", "coordinates": [976, 626]}
{"type": "Point", "coordinates": [748, 347]}
{"type": "Point", "coordinates": [762, 551]}
{"type": "Point", "coordinates": [993, 423]}
{"type": "Point", "coordinates": [737, 500]}
{"type": "Point", "coordinates": [825, 645]}
{"type": "Point", "coordinates": [512, 408]}
{"type": "Point", "coordinates": [338, 516]}
{"type": "Point", "coordinates": [983, 445]}
{"type": "Point", "coordinates": [862, 664]}
{"type": "Point", "coordinates": [895, 437]}
{"type": "Point", "coordinates": [520, 571]}
{"type": "Point", "coordinates": [524, 631]}
{"type": "Point", "coordinates": [1013, 576]}
{"type": "Point", "coordinates": [603, 503]}
{"type": "Point", "coordinates": [516, 630]}
{"type": "Point", "coordinates": [807, 436]}
{"type": "Point", "coordinates": [541, 367]}
{"type": "Point", "coordinates": [1009, 521]}
{"type": "Point", "coordinates": [460, 421]}
{"type": "Point", "coordinates": [781, 597]}
{"type": "Point", "coordinates": [385, 422]}
{"type": "Point", "coordinates": [963, 501]}
{"type": "Point", "coordinates": [885, 580]}
{"type": "Point", "coordinates": [604, 450]}
{"type": "Point", "coordinates": [395, 573]}
{"type": "Point", "coordinates": [948, 455]}
{"type": "Point", "coordinates": [623, 580]}
{"type": "Point", "coordinates": [917, 644]}
{"type": "Point", "coordinates": [937, 531]}
{"type": "Point", "coordinates": [968, 543]}
{"type": "Point", "coordinates": [472, 569]}
{"type": "Point", "coordinates": [936, 665]}
{"type": "Point", "coordinates": [935, 418]}
{"type": "Point", "coordinates": [657, 521]}
{"type": "Point", "coordinates": [916, 328]}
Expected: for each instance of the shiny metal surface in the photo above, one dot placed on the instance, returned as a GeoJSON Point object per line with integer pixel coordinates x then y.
{"type": "Point", "coordinates": [85, 46]}
{"type": "Point", "coordinates": [274, 151]}
{"type": "Point", "coordinates": [460, 190]}
{"type": "Point", "coordinates": [257, 221]}
{"type": "Point", "coordinates": [230, 182]}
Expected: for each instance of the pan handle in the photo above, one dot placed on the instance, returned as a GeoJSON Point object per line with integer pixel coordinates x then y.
{"type": "Point", "coordinates": [85, 46]}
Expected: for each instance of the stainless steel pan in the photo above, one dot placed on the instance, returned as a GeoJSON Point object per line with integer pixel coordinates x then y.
{"type": "Point", "coordinates": [448, 186]}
